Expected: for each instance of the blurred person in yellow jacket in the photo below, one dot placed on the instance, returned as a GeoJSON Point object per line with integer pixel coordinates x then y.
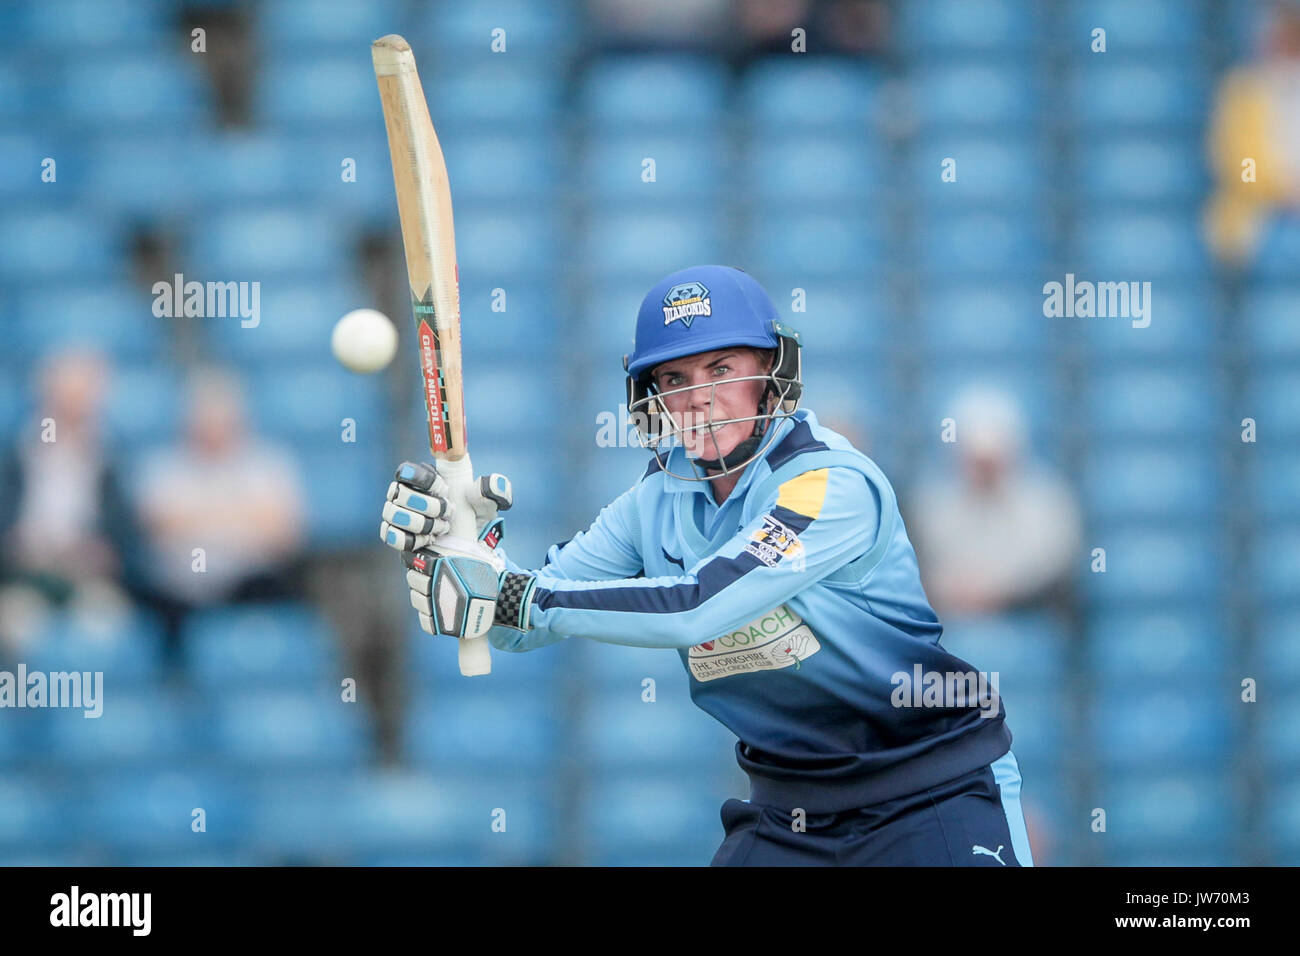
{"type": "Point", "coordinates": [1255, 141]}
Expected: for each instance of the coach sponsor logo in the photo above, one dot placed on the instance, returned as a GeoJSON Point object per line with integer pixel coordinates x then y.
{"type": "Point", "coordinates": [685, 301]}
{"type": "Point", "coordinates": [778, 639]}
{"type": "Point", "coordinates": [946, 689]}
{"type": "Point", "coordinates": [72, 689]}
{"type": "Point", "coordinates": [208, 300]}
{"type": "Point", "coordinates": [102, 909]}
{"type": "Point", "coordinates": [774, 541]}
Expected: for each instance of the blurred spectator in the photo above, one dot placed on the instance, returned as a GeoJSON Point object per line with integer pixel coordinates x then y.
{"type": "Point", "coordinates": [222, 491]}
{"type": "Point", "coordinates": [1004, 533]}
{"type": "Point", "coordinates": [1257, 116]}
{"type": "Point", "coordinates": [67, 534]}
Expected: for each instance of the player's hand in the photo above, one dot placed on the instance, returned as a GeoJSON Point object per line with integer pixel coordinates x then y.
{"type": "Point", "coordinates": [419, 507]}
{"type": "Point", "coordinates": [462, 595]}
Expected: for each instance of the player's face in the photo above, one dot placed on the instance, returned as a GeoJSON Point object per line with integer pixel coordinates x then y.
{"type": "Point", "coordinates": [713, 394]}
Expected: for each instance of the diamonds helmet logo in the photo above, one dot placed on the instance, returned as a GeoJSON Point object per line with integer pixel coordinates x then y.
{"type": "Point", "coordinates": [686, 300]}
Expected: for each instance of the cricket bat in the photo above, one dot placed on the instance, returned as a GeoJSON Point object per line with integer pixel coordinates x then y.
{"type": "Point", "coordinates": [424, 205]}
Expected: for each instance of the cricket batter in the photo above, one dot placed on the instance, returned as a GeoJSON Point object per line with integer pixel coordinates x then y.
{"type": "Point", "coordinates": [770, 553]}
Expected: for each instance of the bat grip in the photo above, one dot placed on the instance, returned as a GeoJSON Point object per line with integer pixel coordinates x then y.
{"type": "Point", "coordinates": [475, 653]}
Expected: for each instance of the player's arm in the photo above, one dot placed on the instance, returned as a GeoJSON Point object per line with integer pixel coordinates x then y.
{"type": "Point", "coordinates": [816, 522]}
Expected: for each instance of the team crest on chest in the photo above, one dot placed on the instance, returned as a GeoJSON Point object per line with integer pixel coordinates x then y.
{"type": "Point", "coordinates": [685, 301]}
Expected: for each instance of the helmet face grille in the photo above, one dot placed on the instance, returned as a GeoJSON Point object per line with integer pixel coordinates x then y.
{"type": "Point", "coordinates": [661, 431]}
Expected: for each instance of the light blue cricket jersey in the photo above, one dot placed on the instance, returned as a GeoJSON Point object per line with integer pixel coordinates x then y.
{"type": "Point", "coordinates": [792, 605]}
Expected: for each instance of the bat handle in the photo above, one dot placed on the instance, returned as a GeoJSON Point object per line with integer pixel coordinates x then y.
{"type": "Point", "coordinates": [476, 652]}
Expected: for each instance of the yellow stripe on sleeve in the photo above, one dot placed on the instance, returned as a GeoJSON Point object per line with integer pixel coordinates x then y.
{"type": "Point", "coordinates": [804, 493]}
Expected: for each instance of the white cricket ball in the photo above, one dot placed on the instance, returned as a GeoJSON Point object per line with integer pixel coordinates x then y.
{"type": "Point", "coordinates": [364, 340]}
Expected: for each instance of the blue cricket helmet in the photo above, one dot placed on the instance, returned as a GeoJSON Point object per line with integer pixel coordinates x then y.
{"type": "Point", "coordinates": [698, 310]}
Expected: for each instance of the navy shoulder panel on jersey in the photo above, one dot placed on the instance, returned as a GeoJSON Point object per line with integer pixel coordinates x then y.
{"type": "Point", "coordinates": [799, 440]}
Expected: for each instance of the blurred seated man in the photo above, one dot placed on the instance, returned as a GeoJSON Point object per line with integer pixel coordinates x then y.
{"type": "Point", "coordinates": [1257, 117]}
{"type": "Point", "coordinates": [67, 534]}
{"type": "Point", "coordinates": [220, 491]}
{"type": "Point", "coordinates": [1003, 534]}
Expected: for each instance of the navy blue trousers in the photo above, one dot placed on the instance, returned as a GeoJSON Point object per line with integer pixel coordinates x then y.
{"type": "Point", "coordinates": [973, 820]}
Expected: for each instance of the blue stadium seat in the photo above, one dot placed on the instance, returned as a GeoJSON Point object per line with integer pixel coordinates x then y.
{"type": "Point", "coordinates": [141, 810]}
{"type": "Point", "coordinates": [1024, 648]}
{"type": "Point", "coordinates": [310, 90]}
{"type": "Point", "coordinates": [284, 645]}
{"type": "Point", "coordinates": [622, 245]}
{"type": "Point", "coordinates": [290, 24]}
{"type": "Point", "coordinates": [545, 30]}
{"type": "Point", "coordinates": [1279, 655]}
{"type": "Point", "coordinates": [1274, 478]}
{"type": "Point", "coordinates": [260, 165]}
{"type": "Point", "coordinates": [1279, 744]}
{"type": "Point", "coordinates": [21, 155]}
{"type": "Point", "coordinates": [522, 166]}
{"type": "Point", "coordinates": [1112, 93]}
{"type": "Point", "coordinates": [800, 168]}
{"type": "Point", "coordinates": [499, 414]}
{"type": "Point", "coordinates": [1269, 313]}
{"type": "Point", "coordinates": [289, 728]}
{"type": "Point", "coordinates": [58, 242]}
{"type": "Point", "coordinates": [1282, 821]}
{"type": "Point", "coordinates": [255, 243]}
{"type": "Point", "coordinates": [24, 735]}
{"type": "Point", "coordinates": [1182, 326]}
{"type": "Point", "coordinates": [1183, 813]}
{"type": "Point", "coordinates": [312, 401]}
{"type": "Point", "coordinates": [1039, 721]}
{"type": "Point", "coordinates": [1275, 563]}
{"type": "Point", "coordinates": [127, 651]}
{"type": "Point", "coordinates": [1178, 565]}
{"type": "Point", "coordinates": [644, 818]}
{"type": "Point", "coordinates": [1171, 650]}
{"type": "Point", "coordinates": [841, 314]}
{"type": "Point", "coordinates": [1007, 172]}
{"type": "Point", "coordinates": [534, 321]}
{"type": "Point", "coordinates": [472, 729]}
{"type": "Point", "coordinates": [965, 320]}
{"type": "Point", "coordinates": [1279, 250]}
{"type": "Point", "coordinates": [784, 93]}
{"type": "Point", "coordinates": [82, 25]}
{"type": "Point", "coordinates": [607, 322]}
{"type": "Point", "coordinates": [155, 176]}
{"type": "Point", "coordinates": [820, 246]}
{"type": "Point", "coordinates": [146, 407]}
{"type": "Point", "coordinates": [1152, 26]}
{"type": "Point", "coordinates": [31, 816]}
{"type": "Point", "coordinates": [1141, 169]}
{"type": "Point", "coordinates": [1164, 726]}
{"type": "Point", "coordinates": [614, 669]}
{"type": "Point", "coordinates": [348, 480]}
{"type": "Point", "coordinates": [976, 94]}
{"type": "Point", "coordinates": [1123, 482]}
{"type": "Point", "coordinates": [1129, 247]}
{"type": "Point", "coordinates": [295, 319]}
{"type": "Point", "coordinates": [1271, 401]}
{"type": "Point", "coordinates": [945, 27]}
{"type": "Point", "coordinates": [1138, 402]}
{"type": "Point", "coordinates": [503, 244]}
{"type": "Point", "coordinates": [612, 166]}
{"type": "Point", "coordinates": [111, 316]}
{"type": "Point", "coordinates": [523, 93]}
{"type": "Point", "coordinates": [141, 729]}
{"type": "Point", "coordinates": [148, 90]}
{"type": "Point", "coordinates": [621, 729]}
{"type": "Point", "coordinates": [949, 244]}
{"type": "Point", "coordinates": [682, 92]}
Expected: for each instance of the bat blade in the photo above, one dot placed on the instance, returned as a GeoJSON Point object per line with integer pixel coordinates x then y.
{"type": "Point", "coordinates": [429, 237]}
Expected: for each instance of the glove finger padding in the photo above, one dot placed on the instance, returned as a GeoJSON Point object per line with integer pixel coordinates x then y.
{"type": "Point", "coordinates": [461, 594]}
{"type": "Point", "coordinates": [413, 521]}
